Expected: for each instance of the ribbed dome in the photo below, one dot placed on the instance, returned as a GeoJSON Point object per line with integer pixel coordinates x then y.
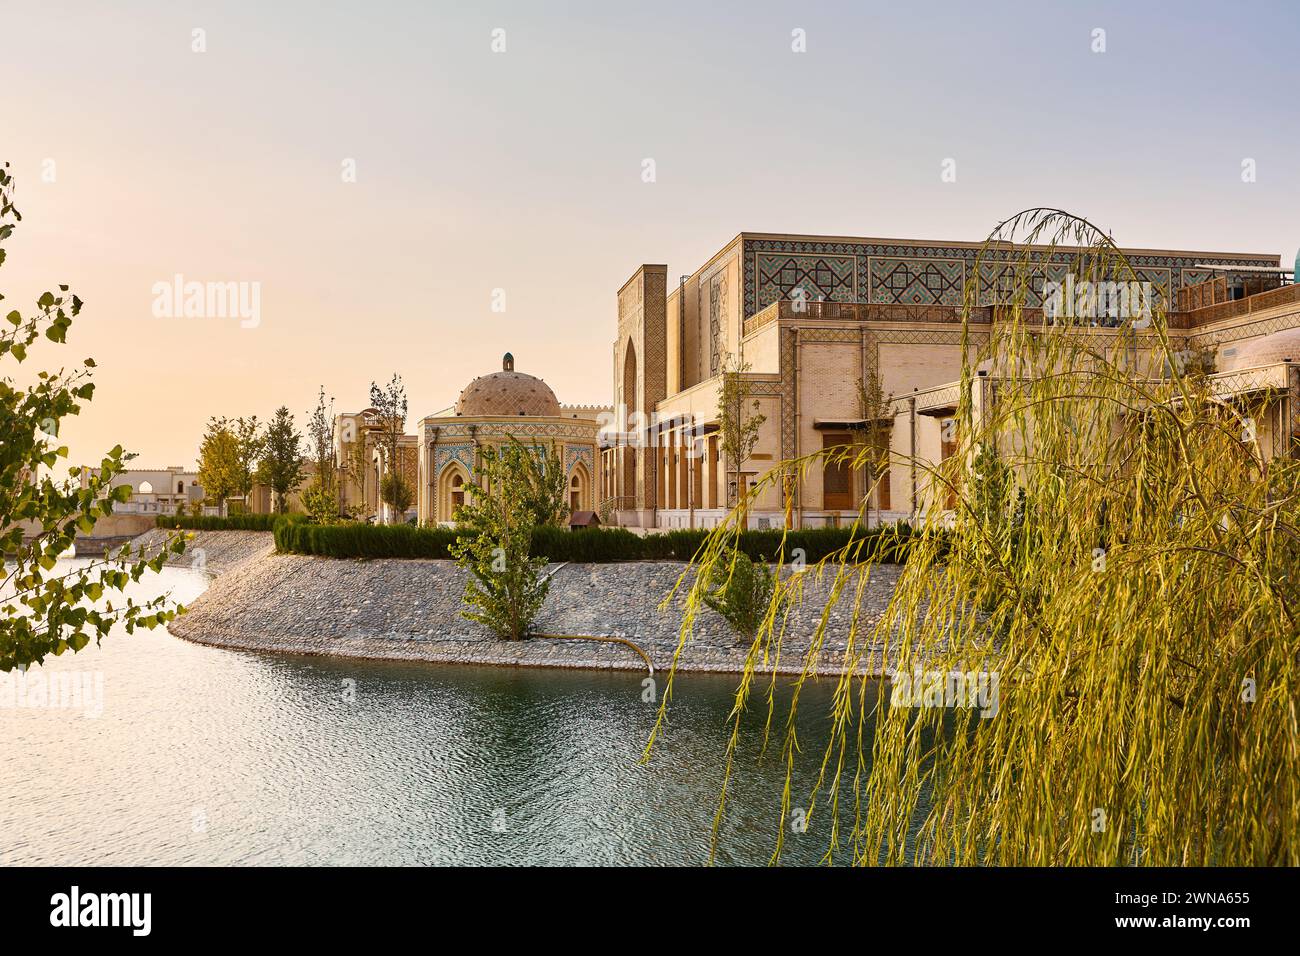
{"type": "Point", "coordinates": [508, 394]}
{"type": "Point", "coordinates": [1267, 350]}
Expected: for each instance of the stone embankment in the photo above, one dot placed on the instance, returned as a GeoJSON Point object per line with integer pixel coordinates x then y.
{"type": "Point", "coordinates": [213, 552]}
{"type": "Point", "coordinates": [410, 610]}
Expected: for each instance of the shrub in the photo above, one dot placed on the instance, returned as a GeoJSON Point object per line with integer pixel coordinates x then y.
{"type": "Point", "coordinates": [590, 546]}
{"type": "Point", "coordinates": [507, 584]}
{"type": "Point", "coordinates": [238, 522]}
{"type": "Point", "coordinates": [358, 540]}
{"type": "Point", "coordinates": [593, 545]}
{"type": "Point", "coordinates": [740, 591]}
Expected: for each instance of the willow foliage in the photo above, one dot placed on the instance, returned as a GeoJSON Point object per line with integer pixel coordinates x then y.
{"type": "Point", "coordinates": [1123, 560]}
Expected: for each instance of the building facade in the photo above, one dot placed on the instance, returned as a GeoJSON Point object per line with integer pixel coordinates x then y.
{"type": "Point", "coordinates": [360, 454]}
{"type": "Point", "coordinates": [491, 410]}
{"type": "Point", "coordinates": [814, 317]}
{"type": "Point", "coordinates": [155, 491]}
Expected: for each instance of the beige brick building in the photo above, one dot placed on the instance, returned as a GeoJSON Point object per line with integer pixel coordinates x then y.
{"type": "Point", "coordinates": [815, 316]}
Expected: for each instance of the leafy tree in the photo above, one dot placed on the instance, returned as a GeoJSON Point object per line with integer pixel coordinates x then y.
{"type": "Point", "coordinates": [397, 493]}
{"type": "Point", "coordinates": [320, 440]}
{"type": "Point", "coordinates": [219, 462]}
{"type": "Point", "coordinates": [355, 466]}
{"type": "Point", "coordinates": [874, 405]}
{"type": "Point", "coordinates": [281, 465]}
{"type": "Point", "coordinates": [390, 402]}
{"type": "Point", "coordinates": [45, 609]}
{"type": "Point", "coordinates": [248, 450]}
{"type": "Point", "coordinates": [546, 497]}
{"type": "Point", "coordinates": [506, 588]}
{"type": "Point", "coordinates": [740, 421]}
{"type": "Point", "coordinates": [992, 489]}
{"type": "Point", "coordinates": [320, 500]}
{"type": "Point", "coordinates": [740, 591]}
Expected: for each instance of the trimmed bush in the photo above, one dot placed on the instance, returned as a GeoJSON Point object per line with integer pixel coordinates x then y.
{"type": "Point", "coordinates": [359, 540]}
{"type": "Point", "coordinates": [241, 522]}
{"type": "Point", "coordinates": [590, 546]}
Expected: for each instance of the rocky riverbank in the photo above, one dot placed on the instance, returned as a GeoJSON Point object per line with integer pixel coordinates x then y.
{"type": "Point", "coordinates": [410, 610]}
{"type": "Point", "coordinates": [213, 552]}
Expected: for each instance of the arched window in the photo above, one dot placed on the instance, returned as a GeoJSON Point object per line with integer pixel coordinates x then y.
{"type": "Point", "coordinates": [146, 488]}
{"type": "Point", "coordinates": [180, 487]}
{"type": "Point", "coordinates": [457, 492]}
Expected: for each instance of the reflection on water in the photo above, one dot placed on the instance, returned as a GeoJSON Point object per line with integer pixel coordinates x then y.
{"type": "Point", "coordinates": [208, 756]}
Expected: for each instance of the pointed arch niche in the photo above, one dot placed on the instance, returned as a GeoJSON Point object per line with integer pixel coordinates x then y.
{"type": "Point", "coordinates": [453, 490]}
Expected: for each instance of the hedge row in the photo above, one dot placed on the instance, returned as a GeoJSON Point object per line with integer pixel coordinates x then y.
{"type": "Point", "coordinates": [593, 546]}
{"type": "Point", "coordinates": [359, 540]}
{"type": "Point", "coordinates": [245, 522]}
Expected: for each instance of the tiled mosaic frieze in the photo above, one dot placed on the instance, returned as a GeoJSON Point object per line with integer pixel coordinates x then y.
{"type": "Point", "coordinates": [832, 278]}
{"type": "Point", "coordinates": [577, 428]}
{"type": "Point", "coordinates": [443, 455]}
{"type": "Point", "coordinates": [579, 453]}
{"type": "Point", "coordinates": [893, 279]}
{"type": "Point", "coordinates": [896, 273]}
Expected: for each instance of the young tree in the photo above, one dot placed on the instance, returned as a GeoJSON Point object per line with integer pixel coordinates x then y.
{"type": "Point", "coordinates": [506, 588]}
{"type": "Point", "coordinates": [219, 462]}
{"type": "Point", "coordinates": [281, 465]}
{"type": "Point", "coordinates": [875, 406]}
{"type": "Point", "coordinates": [354, 466]}
{"type": "Point", "coordinates": [740, 421]}
{"type": "Point", "coordinates": [321, 501]}
{"type": "Point", "coordinates": [546, 496]}
{"type": "Point", "coordinates": [390, 402]}
{"type": "Point", "coordinates": [397, 493]}
{"type": "Point", "coordinates": [740, 590]}
{"type": "Point", "coordinates": [248, 450]}
{"type": "Point", "coordinates": [320, 440]}
{"type": "Point", "coordinates": [46, 609]}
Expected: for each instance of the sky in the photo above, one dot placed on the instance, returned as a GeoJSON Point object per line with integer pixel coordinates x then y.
{"type": "Point", "coordinates": [380, 174]}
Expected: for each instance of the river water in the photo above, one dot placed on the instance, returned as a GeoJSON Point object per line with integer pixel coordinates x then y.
{"type": "Point", "coordinates": [176, 753]}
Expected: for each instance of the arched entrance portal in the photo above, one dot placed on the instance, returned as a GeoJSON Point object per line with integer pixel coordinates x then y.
{"type": "Point", "coordinates": [453, 488]}
{"type": "Point", "coordinates": [579, 483]}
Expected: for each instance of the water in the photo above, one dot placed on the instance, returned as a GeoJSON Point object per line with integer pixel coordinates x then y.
{"type": "Point", "coordinates": [211, 756]}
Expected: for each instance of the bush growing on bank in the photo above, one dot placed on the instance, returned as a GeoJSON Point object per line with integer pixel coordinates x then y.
{"type": "Point", "coordinates": [592, 546]}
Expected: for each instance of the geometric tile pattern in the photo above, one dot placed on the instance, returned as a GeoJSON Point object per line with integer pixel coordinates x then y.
{"type": "Point", "coordinates": [914, 274]}
{"type": "Point", "coordinates": [832, 278]}
{"type": "Point", "coordinates": [443, 455]}
{"type": "Point", "coordinates": [717, 296]}
{"type": "Point", "coordinates": [916, 281]}
{"type": "Point", "coordinates": [576, 453]}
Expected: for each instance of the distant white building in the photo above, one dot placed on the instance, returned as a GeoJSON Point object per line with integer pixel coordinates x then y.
{"type": "Point", "coordinates": [155, 491]}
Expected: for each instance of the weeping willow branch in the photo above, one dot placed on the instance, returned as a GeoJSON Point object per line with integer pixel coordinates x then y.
{"type": "Point", "coordinates": [1121, 558]}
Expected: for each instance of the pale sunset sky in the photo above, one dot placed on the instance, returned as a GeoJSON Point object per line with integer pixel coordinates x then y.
{"type": "Point", "coordinates": [137, 158]}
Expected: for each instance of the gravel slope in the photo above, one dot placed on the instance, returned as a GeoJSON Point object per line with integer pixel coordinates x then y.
{"type": "Point", "coordinates": [410, 610]}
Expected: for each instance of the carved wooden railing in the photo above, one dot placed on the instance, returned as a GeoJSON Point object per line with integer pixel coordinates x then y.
{"type": "Point", "coordinates": [1286, 295]}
